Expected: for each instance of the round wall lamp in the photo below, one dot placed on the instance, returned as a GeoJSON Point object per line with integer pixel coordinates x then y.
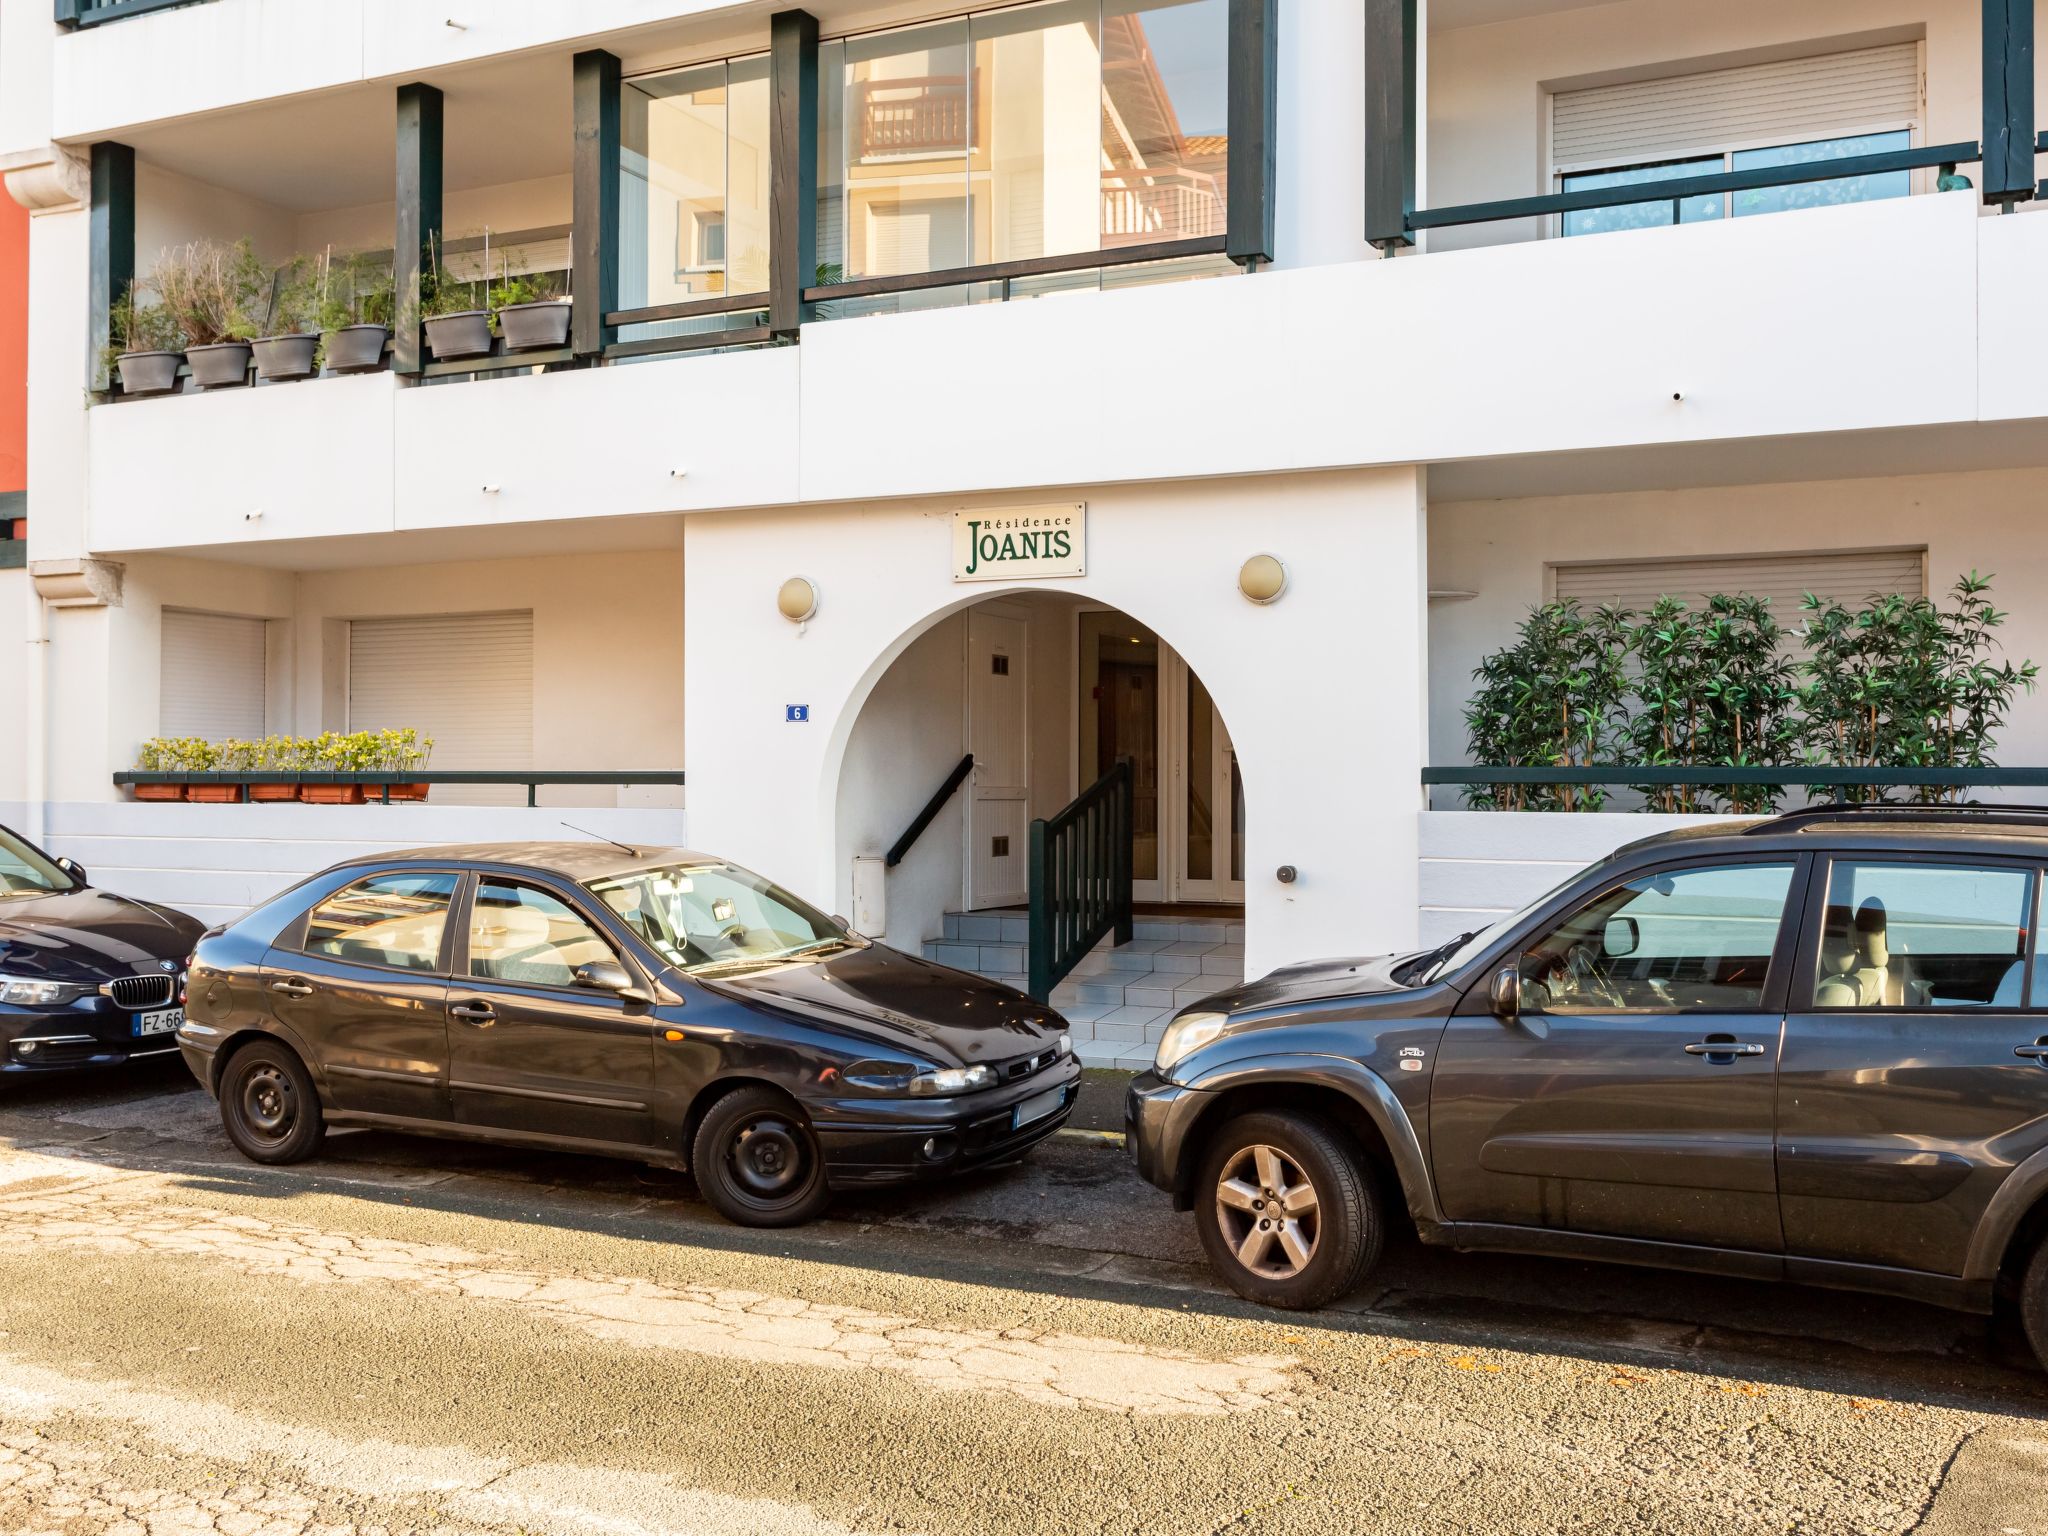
{"type": "Point", "coordinates": [1262, 578]}
{"type": "Point", "coordinates": [797, 599]}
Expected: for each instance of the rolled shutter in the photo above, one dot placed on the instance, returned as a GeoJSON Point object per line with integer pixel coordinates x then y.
{"type": "Point", "coordinates": [1849, 577]}
{"type": "Point", "coordinates": [466, 680]}
{"type": "Point", "coordinates": [214, 675]}
{"type": "Point", "coordinates": [1790, 101]}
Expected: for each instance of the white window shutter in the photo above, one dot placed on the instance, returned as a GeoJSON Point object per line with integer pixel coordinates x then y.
{"type": "Point", "coordinates": [1846, 576]}
{"type": "Point", "coordinates": [466, 680]}
{"type": "Point", "coordinates": [1790, 101]}
{"type": "Point", "coordinates": [214, 675]}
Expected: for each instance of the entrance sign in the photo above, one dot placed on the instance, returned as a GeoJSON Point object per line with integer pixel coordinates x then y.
{"type": "Point", "coordinates": [1019, 543]}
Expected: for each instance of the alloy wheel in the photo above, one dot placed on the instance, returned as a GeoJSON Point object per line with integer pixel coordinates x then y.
{"type": "Point", "coordinates": [1267, 1211]}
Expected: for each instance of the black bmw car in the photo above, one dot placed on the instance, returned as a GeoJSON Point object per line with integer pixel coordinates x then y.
{"type": "Point", "coordinates": [87, 978]}
{"type": "Point", "coordinates": [648, 1003]}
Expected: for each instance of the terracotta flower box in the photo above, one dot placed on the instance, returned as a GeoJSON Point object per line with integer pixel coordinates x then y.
{"type": "Point", "coordinates": [273, 791]}
{"type": "Point", "coordinates": [215, 794]}
{"type": "Point", "coordinates": [331, 794]}
{"type": "Point", "coordinates": [159, 791]}
{"type": "Point", "coordinates": [407, 791]}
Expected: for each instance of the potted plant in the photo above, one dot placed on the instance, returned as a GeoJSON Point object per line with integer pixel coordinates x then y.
{"type": "Point", "coordinates": [275, 754]}
{"type": "Point", "coordinates": [291, 343]}
{"type": "Point", "coordinates": [230, 756]}
{"type": "Point", "coordinates": [355, 312]}
{"type": "Point", "coordinates": [214, 292]}
{"type": "Point", "coordinates": [530, 312]}
{"type": "Point", "coordinates": [458, 323]}
{"type": "Point", "coordinates": [402, 752]}
{"type": "Point", "coordinates": [146, 351]}
{"type": "Point", "coordinates": [160, 754]}
{"type": "Point", "coordinates": [333, 752]}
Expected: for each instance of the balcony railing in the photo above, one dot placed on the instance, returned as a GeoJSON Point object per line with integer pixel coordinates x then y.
{"type": "Point", "coordinates": [90, 13]}
{"type": "Point", "coordinates": [1786, 777]}
{"type": "Point", "coordinates": [1174, 205]}
{"type": "Point", "coordinates": [379, 784]}
{"type": "Point", "coordinates": [925, 115]}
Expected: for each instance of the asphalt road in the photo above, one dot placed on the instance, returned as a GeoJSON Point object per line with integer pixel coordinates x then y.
{"type": "Point", "coordinates": [414, 1335]}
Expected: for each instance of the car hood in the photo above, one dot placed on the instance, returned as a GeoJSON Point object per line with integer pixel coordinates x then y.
{"type": "Point", "coordinates": [89, 935]}
{"type": "Point", "coordinates": [910, 1003]}
{"type": "Point", "coordinates": [1312, 981]}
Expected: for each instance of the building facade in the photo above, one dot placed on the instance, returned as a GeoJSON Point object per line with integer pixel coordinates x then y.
{"type": "Point", "coordinates": [936, 379]}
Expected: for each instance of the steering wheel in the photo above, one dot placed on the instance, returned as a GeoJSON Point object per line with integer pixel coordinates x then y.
{"type": "Point", "coordinates": [1578, 975]}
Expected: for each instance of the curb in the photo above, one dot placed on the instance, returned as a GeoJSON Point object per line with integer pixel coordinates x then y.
{"type": "Point", "coordinates": [1096, 1138]}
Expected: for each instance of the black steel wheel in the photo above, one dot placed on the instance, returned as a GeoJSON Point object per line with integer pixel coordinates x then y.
{"type": "Point", "coordinates": [1286, 1211]}
{"type": "Point", "coordinates": [757, 1161]}
{"type": "Point", "coordinates": [268, 1104]}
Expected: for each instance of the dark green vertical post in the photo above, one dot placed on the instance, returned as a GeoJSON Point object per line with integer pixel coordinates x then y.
{"type": "Point", "coordinates": [419, 217]}
{"type": "Point", "coordinates": [1126, 860]}
{"type": "Point", "coordinates": [1038, 947]}
{"type": "Point", "coordinates": [594, 197]}
{"type": "Point", "coordinates": [1254, 87]}
{"type": "Point", "coordinates": [792, 168]}
{"type": "Point", "coordinates": [111, 251]}
{"type": "Point", "coordinates": [1390, 88]}
{"type": "Point", "coordinates": [2008, 101]}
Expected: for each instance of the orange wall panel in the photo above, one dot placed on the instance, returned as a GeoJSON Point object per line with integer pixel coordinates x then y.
{"type": "Point", "coordinates": [13, 345]}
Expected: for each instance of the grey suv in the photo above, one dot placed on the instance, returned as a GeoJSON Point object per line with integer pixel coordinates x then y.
{"type": "Point", "coordinates": [1809, 1048]}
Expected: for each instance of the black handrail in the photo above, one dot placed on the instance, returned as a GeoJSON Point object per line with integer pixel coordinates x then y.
{"type": "Point", "coordinates": [1780, 775]}
{"type": "Point", "coordinates": [1677, 187]}
{"type": "Point", "coordinates": [931, 808]}
{"type": "Point", "coordinates": [90, 13]}
{"type": "Point", "coordinates": [1081, 871]}
{"type": "Point", "coordinates": [384, 778]}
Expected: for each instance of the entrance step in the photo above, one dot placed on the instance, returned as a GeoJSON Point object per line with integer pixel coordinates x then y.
{"type": "Point", "coordinates": [1119, 999]}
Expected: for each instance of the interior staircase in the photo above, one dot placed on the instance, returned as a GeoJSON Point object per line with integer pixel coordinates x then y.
{"type": "Point", "coordinates": [1119, 998]}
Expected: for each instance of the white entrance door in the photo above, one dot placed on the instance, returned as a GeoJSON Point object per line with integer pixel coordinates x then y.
{"type": "Point", "coordinates": [999, 793]}
{"type": "Point", "coordinates": [1205, 808]}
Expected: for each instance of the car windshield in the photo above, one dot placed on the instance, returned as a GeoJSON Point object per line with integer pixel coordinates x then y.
{"type": "Point", "coordinates": [1421, 969]}
{"type": "Point", "coordinates": [25, 872]}
{"type": "Point", "coordinates": [712, 917]}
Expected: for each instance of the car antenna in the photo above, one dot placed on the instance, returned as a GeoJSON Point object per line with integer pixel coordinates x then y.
{"type": "Point", "coordinates": [622, 847]}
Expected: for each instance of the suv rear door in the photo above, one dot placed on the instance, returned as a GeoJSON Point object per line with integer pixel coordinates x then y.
{"type": "Point", "coordinates": [1606, 1107]}
{"type": "Point", "coordinates": [1912, 1079]}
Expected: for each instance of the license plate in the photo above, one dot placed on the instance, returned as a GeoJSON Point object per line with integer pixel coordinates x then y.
{"type": "Point", "coordinates": [163, 1022]}
{"type": "Point", "coordinates": [1038, 1107]}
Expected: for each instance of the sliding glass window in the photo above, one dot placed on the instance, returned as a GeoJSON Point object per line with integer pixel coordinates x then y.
{"type": "Point", "coordinates": [694, 178]}
{"type": "Point", "coordinates": [1037, 130]}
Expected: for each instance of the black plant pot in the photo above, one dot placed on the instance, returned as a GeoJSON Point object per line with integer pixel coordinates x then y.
{"type": "Point", "coordinates": [150, 373]}
{"type": "Point", "coordinates": [220, 364]}
{"type": "Point", "coordinates": [357, 348]}
{"type": "Point", "coordinates": [544, 323]}
{"type": "Point", "coordinates": [286, 357]}
{"type": "Point", "coordinates": [465, 333]}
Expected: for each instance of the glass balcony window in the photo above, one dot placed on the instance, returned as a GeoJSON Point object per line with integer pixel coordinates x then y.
{"type": "Point", "coordinates": [1692, 210]}
{"type": "Point", "coordinates": [1039, 130]}
{"type": "Point", "coordinates": [694, 179]}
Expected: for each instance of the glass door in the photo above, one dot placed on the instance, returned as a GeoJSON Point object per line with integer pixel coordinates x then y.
{"type": "Point", "coordinates": [1139, 700]}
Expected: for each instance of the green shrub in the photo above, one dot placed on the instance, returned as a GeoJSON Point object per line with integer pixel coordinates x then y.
{"type": "Point", "coordinates": [1553, 699]}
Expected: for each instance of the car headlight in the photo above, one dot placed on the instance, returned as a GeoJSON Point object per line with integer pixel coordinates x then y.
{"type": "Point", "coordinates": [1064, 1045]}
{"type": "Point", "coordinates": [1187, 1034]}
{"type": "Point", "coordinates": [35, 992]}
{"type": "Point", "coordinates": [946, 1081]}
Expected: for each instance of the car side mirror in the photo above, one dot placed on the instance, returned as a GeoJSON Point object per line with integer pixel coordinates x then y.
{"type": "Point", "coordinates": [841, 922]}
{"type": "Point", "coordinates": [1507, 994]}
{"type": "Point", "coordinates": [75, 870]}
{"type": "Point", "coordinates": [609, 976]}
{"type": "Point", "coordinates": [1623, 937]}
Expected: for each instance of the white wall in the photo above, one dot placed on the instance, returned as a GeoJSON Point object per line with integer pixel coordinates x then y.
{"type": "Point", "coordinates": [1986, 521]}
{"type": "Point", "coordinates": [1478, 866]}
{"type": "Point", "coordinates": [217, 861]}
{"type": "Point", "coordinates": [1488, 85]}
{"type": "Point", "coordinates": [767, 792]}
{"type": "Point", "coordinates": [16, 660]}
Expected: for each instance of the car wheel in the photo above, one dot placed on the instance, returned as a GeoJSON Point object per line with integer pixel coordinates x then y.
{"type": "Point", "coordinates": [2034, 1301]}
{"type": "Point", "coordinates": [757, 1161]}
{"type": "Point", "coordinates": [269, 1105]}
{"type": "Point", "coordinates": [1286, 1211]}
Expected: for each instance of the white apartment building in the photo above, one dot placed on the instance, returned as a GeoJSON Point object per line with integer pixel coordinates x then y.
{"type": "Point", "coordinates": [936, 379]}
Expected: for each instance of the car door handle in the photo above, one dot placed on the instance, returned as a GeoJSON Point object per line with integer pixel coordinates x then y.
{"type": "Point", "coordinates": [291, 989]}
{"type": "Point", "coordinates": [1723, 1048]}
{"type": "Point", "coordinates": [2038, 1050]}
{"type": "Point", "coordinates": [473, 1013]}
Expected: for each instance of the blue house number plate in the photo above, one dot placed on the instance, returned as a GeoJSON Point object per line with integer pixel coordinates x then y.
{"type": "Point", "coordinates": [796, 714]}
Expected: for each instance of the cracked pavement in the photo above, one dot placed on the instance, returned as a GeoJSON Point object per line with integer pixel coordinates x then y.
{"type": "Point", "coordinates": [426, 1336]}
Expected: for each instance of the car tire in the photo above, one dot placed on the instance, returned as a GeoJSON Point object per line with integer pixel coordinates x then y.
{"type": "Point", "coordinates": [2034, 1301]}
{"type": "Point", "coordinates": [269, 1106]}
{"type": "Point", "coordinates": [758, 1162]}
{"type": "Point", "coordinates": [1325, 1228]}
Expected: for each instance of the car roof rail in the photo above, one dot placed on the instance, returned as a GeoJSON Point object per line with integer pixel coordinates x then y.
{"type": "Point", "coordinates": [1879, 810]}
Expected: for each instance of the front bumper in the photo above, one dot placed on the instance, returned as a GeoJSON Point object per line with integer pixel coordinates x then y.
{"type": "Point", "coordinates": [872, 1141]}
{"type": "Point", "coordinates": [89, 1033]}
{"type": "Point", "coordinates": [1157, 1115]}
